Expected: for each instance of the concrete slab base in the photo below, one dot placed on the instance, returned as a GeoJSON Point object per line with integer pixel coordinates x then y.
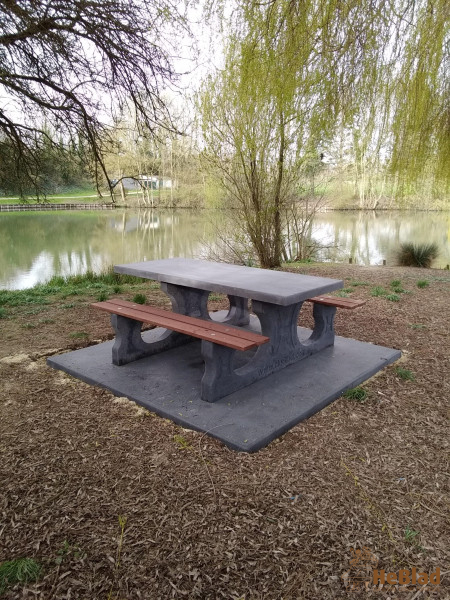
{"type": "Point", "coordinates": [247, 420]}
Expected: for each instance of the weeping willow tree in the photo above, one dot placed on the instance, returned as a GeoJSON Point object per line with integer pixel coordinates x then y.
{"type": "Point", "coordinates": [421, 96]}
{"type": "Point", "coordinates": [294, 73]}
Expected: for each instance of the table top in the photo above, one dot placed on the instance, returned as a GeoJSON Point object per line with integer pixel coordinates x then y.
{"type": "Point", "coordinates": [276, 287]}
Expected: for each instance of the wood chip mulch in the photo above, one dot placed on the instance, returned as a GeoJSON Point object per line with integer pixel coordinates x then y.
{"type": "Point", "coordinates": [117, 503]}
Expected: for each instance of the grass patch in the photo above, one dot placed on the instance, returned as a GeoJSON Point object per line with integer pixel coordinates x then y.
{"type": "Point", "coordinates": [79, 335]}
{"type": "Point", "coordinates": [102, 296]}
{"type": "Point", "coordinates": [69, 305]}
{"type": "Point", "coordinates": [347, 290]}
{"type": "Point", "coordinates": [405, 374]}
{"type": "Point", "coordinates": [29, 326]}
{"type": "Point", "coordinates": [393, 298]}
{"type": "Point", "coordinates": [88, 284]}
{"type": "Point", "coordinates": [410, 535]}
{"type": "Point", "coordinates": [3, 313]}
{"type": "Point", "coordinates": [358, 283]}
{"type": "Point", "coordinates": [341, 294]}
{"type": "Point", "coordinates": [418, 326]}
{"type": "Point", "coordinates": [139, 299]}
{"type": "Point", "coordinates": [358, 394]}
{"type": "Point", "coordinates": [19, 570]}
{"type": "Point", "coordinates": [396, 286]}
{"type": "Point", "coordinates": [423, 283]}
{"type": "Point", "coordinates": [378, 291]}
{"type": "Point", "coordinates": [417, 255]}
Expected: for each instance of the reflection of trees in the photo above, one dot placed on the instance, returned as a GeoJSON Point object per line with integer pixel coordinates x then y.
{"type": "Point", "coordinates": [370, 237]}
{"type": "Point", "coordinates": [76, 242]}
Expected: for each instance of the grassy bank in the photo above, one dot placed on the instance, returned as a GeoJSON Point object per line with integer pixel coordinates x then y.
{"type": "Point", "coordinates": [93, 285]}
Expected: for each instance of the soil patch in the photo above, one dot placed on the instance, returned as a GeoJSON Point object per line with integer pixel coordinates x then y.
{"type": "Point", "coordinates": [116, 502]}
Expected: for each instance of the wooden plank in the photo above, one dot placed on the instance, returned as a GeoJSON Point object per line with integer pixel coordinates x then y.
{"type": "Point", "coordinates": [212, 325]}
{"type": "Point", "coordinates": [348, 303]}
{"type": "Point", "coordinates": [195, 330]}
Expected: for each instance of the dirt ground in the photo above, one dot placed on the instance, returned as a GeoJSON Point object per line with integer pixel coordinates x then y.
{"type": "Point", "coordinates": [118, 503]}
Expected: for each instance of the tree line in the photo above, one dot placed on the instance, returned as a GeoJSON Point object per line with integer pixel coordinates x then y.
{"type": "Point", "coordinates": [354, 93]}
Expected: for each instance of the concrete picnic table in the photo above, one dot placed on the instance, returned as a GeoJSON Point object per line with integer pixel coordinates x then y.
{"type": "Point", "coordinates": [276, 299]}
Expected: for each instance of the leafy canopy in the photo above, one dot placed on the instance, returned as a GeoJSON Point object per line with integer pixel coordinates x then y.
{"type": "Point", "coordinates": [73, 65]}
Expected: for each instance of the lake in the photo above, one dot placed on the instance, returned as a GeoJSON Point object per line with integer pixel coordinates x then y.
{"type": "Point", "coordinates": [35, 246]}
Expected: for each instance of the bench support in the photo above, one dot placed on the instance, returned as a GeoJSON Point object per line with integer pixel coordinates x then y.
{"type": "Point", "coordinates": [130, 346]}
{"type": "Point", "coordinates": [279, 323]}
{"type": "Point", "coordinates": [238, 313]}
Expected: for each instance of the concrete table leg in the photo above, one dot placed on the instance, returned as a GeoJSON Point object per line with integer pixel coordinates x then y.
{"type": "Point", "coordinates": [238, 313]}
{"type": "Point", "coordinates": [130, 346]}
{"type": "Point", "coordinates": [280, 324]}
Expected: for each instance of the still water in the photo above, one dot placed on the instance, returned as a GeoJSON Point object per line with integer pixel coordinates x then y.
{"type": "Point", "coordinates": [35, 246]}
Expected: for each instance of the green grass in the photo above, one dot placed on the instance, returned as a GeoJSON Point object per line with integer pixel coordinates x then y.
{"type": "Point", "coordinates": [396, 286]}
{"type": "Point", "coordinates": [347, 290]}
{"type": "Point", "coordinates": [378, 291]}
{"type": "Point", "coordinates": [19, 570]}
{"type": "Point", "coordinates": [358, 394]}
{"type": "Point", "coordinates": [88, 284]}
{"type": "Point", "coordinates": [79, 335]}
{"type": "Point", "coordinates": [410, 534]}
{"type": "Point", "coordinates": [418, 326]}
{"type": "Point", "coordinates": [393, 297]}
{"type": "Point", "coordinates": [417, 255]}
{"type": "Point", "coordinates": [139, 299]}
{"type": "Point", "coordinates": [423, 283]}
{"type": "Point", "coordinates": [3, 313]}
{"type": "Point", "coordinates": [358, 283]}
{"type": "Point", "coordinates": [405, 374]}
{"type": "Point", "coordinates": [102, 296]}
{"type": "Point", "coordinates": [75, 196]}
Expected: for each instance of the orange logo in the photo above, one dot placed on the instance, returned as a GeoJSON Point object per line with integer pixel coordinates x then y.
{"type": "Point", "coordinates": [362, 565]}
{"type": "Point", "coordinates": [363, 572]}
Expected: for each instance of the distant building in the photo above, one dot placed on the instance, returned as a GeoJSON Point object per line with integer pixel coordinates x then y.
{"type": "Point", "coordinates": [147, 181]}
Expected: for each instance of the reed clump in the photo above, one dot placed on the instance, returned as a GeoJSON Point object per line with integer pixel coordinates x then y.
{"type": "Point", "coordinates": [417, 255]}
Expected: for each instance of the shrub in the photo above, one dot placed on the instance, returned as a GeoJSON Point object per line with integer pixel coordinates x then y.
{"type": "Point", "coordinates": [378, 291]}
{"type": "Point", "coordinates": [417, 255]}
{"type": "Point", "coordinates": [423, 283]}
{"type": "Point", "coordinates": [358, 393]}
{"type": "Point", "coordinates": [404, 374]}
{"type": "Point", "coordinates": [102, 296]}
{"type": "Point", "coordinates": [20, 570]}
{"type": "Point", "coordinates": [139, 299]}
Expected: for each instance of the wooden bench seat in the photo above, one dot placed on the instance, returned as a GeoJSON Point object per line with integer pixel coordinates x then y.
{"type": "Point", "coordinates": [348, 303]}
{"type": "Point", "coordinates": [238, 339]}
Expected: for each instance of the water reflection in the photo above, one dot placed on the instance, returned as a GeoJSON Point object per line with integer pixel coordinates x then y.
{"type": "Point", "coordinates": [35, 246]}
{"type": "Point", "coordinates": [371, 237]}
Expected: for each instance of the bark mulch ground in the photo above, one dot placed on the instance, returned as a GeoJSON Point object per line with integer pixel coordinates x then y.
{"type": "Point", "coordinates": [117, 503]}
